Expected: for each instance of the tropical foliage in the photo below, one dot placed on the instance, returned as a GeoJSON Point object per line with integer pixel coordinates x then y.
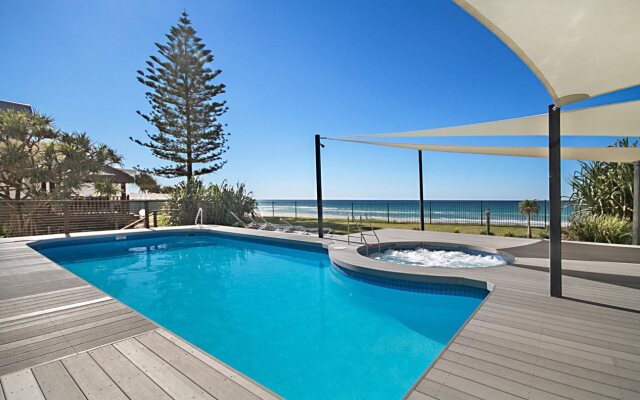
{"type": "Point", "coordinates": [603, 199]}
{"type": "Point", "coordinates": [184, 106]}
{"type": "Point", "coordinates": [528, 207]}
{"type": "Point", "coordinates": [217, 202]}
{"type": "Point", "coordinates": [33, 151]}
{"type": "Point", "coordinates": [601, 188]}
{"type": "Point", "coordinates": [147, 183]}
{"type": "Point", "coordinates": [600, 228]}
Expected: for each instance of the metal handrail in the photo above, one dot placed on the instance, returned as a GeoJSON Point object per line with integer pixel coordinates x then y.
{"type": "Point", "coordinates": [362, 238]}
{"type": "Point", "coordinates": [199, 214]}
{"type": "Point", "coordinates": [371, 230]}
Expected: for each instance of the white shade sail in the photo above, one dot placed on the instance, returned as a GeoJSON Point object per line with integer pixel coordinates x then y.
{"type": "Point", "coordinates": [577, 48]}
{"type": "Point", "coordinates": [620, 119]}
{"type": "Point", "coordinates": [607, 154]}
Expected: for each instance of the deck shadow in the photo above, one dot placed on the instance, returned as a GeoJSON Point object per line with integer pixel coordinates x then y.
{"type": "Point", "coordinates": [595, 303]}
{"type": "Point", "coordinates": [613, 279]}
{"type": "Point", "coordinates": [579, 252]}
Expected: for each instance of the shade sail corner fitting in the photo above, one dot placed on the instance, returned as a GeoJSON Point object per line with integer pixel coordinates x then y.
{"type": "Point", "coordinates": [571, 98]}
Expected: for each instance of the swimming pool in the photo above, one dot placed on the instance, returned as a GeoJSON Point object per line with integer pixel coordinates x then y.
{"type": "Point", "coordinates": [279, 313]}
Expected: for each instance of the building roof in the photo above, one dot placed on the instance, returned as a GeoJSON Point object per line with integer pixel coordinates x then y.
{"type": "Point", "coordinates": [120, 175]}
{"type": "Point", "coordinates": [12, 105]}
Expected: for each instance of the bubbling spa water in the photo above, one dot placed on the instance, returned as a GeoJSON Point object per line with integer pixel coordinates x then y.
{"type": "Point", "coordinates": [442, 258]}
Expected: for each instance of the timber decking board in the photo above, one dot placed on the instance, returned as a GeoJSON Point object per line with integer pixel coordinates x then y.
{"type": "Point", "coordinates": [21, 386]}
{"type": "Point", "coordinates": [520, 344]}
{"type": "Point", "coordinates": [133, 382]}
{"type": "Point", "coordinates": [162, 373]}
{"type": "Point", "coordinates": [49, 313]}
{"type": "Point", "coordinates": [56, 383]}
{"type": "Point", "coordinates": [91, 379]}
{"type": "Point", "coordinates": [207, 378]}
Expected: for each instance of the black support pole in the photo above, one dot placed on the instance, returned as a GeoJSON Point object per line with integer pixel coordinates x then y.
{"type": "Point", "coordinates": [636, 203]}
{"type": "Point", "coordinates": [555, 205]}
{"type": "Point", "coordinates": [421, 190]}
{"type": "Point", "coordinates": [319, 187]}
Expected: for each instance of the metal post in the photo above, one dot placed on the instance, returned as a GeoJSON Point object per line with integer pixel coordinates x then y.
{"type": "Point", "coordinates": [388, 219]}
{"type": "Point", "coordinates": [273, 209]}
{"type": "Point", "coordinates": [295, 209]}
{"type": "Point", "coordinates": [636, 203]}
{"type": "Point", "coordinates": [319, 186]}
{"type": "Point", "coordinates": [155, 219]}
{"type": "Point", "coordinates": [430, 221]}
{"type": "Point", "coordinates": [65, 217]}
{"type": "Point", "coordinates": [146, 214]}
{"type": "Point", "coordinates": [421, 191]}
{"type": "Point", "coordinates": [488, 220]}
{"type": "Point", "coordinates": [545, 214]}
{"type": "Point", "coordinates": [481, 214]}
{"type": "Point", "coordinates": [114, 215]}
{"type": "Point", "coordinates": [555, 205]}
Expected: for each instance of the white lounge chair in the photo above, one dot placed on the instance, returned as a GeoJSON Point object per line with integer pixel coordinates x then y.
{"type": "Point", "coordinates": [306, 230]}
{"type": "Point", "coordinates": [240, 222]}
{"type": "Point", "coordinates": [273, 226]}
{"type": "Point", "coordinates": [294, 228]}
{"type": "Point", "coordinates": [261, 226]}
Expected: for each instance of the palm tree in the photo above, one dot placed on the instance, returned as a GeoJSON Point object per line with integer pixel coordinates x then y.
{"type": "Point", "coordinates": [528, 207]}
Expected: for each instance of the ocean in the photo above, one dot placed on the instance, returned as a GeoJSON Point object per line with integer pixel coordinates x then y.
{"type": "Point", "coordinates": [468, 212]}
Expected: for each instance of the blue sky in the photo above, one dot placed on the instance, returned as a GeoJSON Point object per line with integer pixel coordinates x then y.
{"type": "Point", "coordinates": [293, 69]}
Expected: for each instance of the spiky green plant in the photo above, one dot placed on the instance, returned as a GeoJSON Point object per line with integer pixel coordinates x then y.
{"type": "Point", "coordinates": [217, 202]}
{"type": "Point", "coordinates": [600, 228]}
{"type": "Point", "coordinates": [528, 207]}
{"type": "Point", "coordinates": [601, 188]}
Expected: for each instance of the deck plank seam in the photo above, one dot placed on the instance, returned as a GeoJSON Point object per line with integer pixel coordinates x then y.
{"type": "Point", "coordinates": [208, 368]}
{"type": "Point", "coordinates": [76, 353]}
{"type": "Point", "coordinates": [539, 359]}
{"type": "Point", "coordinates": [492, 388]}
{"type": "Point", "coordinates": [107, 374]}
{"type": "Point", "coordinates": [457, 364]}
{"type": "Point", "coordinates": [51, 310]}
{"type": "Point", "coordinates": [534, 373]}
{"type": "Point", "coordinates": [73, 347]}
{"type": "Point", "coordinates": [60, 333]}
{"type": "Point", "coordinates": [134, 365]}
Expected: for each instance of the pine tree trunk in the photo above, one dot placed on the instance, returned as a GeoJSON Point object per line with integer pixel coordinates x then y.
{"type": "Point", "coordinates": [188, 112]}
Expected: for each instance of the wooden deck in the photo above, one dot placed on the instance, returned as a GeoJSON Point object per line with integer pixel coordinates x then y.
{"type": "Point", "coordinates": [61, 338]}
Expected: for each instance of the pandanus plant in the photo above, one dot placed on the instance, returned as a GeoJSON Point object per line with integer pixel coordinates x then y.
{"type": "Point", "coordinates": [528, 207]}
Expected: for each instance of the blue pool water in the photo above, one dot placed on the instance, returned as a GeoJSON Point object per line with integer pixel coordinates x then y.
{"type": "Point", "coordinates": [279, 314]}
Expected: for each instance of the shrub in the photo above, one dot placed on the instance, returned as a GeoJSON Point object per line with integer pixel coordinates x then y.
{"type": "Point", "coordinates": [509, 234]}
{"type": "Point", "coordinates": [543, 234]}
{"type": "Point", "coordinates": [600, 228]}
{"type": "Point", "coordinates": [217, 202]}
{"type": "Point", "coordinates": [456, 230]}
